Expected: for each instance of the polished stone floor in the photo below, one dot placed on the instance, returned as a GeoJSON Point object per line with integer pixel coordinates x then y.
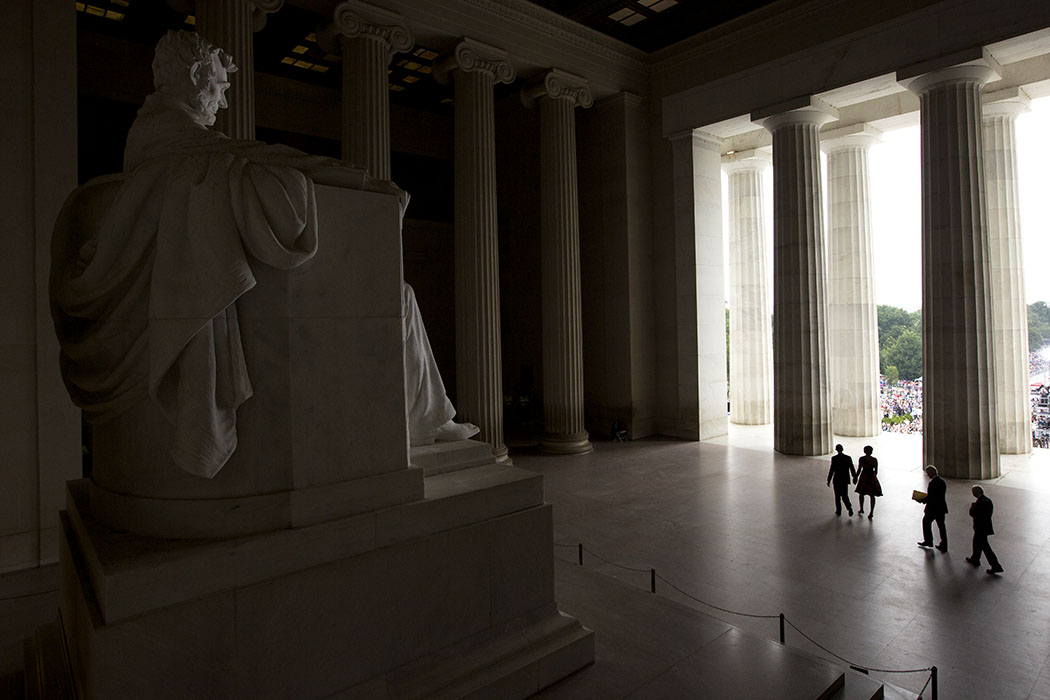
{"type": "Point", "coordinates": [736, 525]}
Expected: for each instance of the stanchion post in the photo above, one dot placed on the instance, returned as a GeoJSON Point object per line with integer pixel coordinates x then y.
{"type": "Point", "coordinates": [652, 580]}
{"type": "Point", "coordinates": [781, 628]}
{"type": "Point", "coordinates": [581, 553]}
{"type": "Point", "coordinates": [933, 682]}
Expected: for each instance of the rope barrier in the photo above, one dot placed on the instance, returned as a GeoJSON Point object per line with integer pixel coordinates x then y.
{"type": "Point", "coordinates": [612, 563]}
{"type": "Point", "coordinates": [654, 576]}
{"type": "Point", "coordinates": [850, 663]}
{"type": "Point", "coordinates": [711, 605]}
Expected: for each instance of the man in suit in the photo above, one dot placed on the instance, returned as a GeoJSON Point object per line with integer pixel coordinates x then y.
{"type": "Point", "coordinates": [981, 512]}
{"type": "Point", "coordinates": [936, 509]}
{"type": "Point", "coordinates": [842, 471]}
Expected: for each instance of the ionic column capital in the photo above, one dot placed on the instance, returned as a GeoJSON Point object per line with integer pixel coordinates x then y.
{"type": "Point", "coordinates": [853, 136]}
{"type": "Point", "coordinates": [261, 8]}
{"type": "Point", "coordinates": [353, 19]}
{"type": "Point", "coordinates": [752, 159]}
{"type": "Point", "coordinates": [1010, 102]}
{"type": "Point", "coordinates": [557, 84]}
{"type": "Point", "coordinates": [472, 56]}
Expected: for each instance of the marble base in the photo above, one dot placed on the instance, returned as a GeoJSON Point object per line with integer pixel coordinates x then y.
{"type": "Point", "coordinates": [448, 596]}
{"type": "Point", "coordinates": [562, 444]}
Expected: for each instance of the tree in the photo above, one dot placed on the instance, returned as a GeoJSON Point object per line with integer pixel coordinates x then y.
{"type": "Point", "coordinates": [1038, 325]}
{"type": "Point", "coordinates": [900, 342]}
{"type": "Point", "coordinates": [891, 374]}
{"type": "Point", "coordinates": [906, 354]}
{"type": "Point", "coordinates": [892, 320]}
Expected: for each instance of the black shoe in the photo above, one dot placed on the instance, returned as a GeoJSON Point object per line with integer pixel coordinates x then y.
{"type": "Point", "coordinates": [851, 514]}
{"type": "Point", "coordinates": [861, 511]}
{"type": "Point", "coordinates": [943, 547]}
{"type": "Point", "coordinates": [926, 544]}
{"type": "Point", "coordinates": [995, 570]}
{"type": "Point", "coordinates": [870, 516]}
{"type": "Point", "coordinates": [838, 512]}
{"type": "Point", "coordinates": [973, 562]}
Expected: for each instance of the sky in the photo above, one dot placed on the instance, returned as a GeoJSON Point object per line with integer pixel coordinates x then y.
{"type": "Point", "coordinates": [897, 214]}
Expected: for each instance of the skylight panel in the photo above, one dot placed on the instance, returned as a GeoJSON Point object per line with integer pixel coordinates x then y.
{"type": "Point", "coordinates": [663, 5]}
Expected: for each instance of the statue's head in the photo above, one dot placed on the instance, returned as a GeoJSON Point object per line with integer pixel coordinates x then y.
{"type": "Point", "coordinates": [187, 68]}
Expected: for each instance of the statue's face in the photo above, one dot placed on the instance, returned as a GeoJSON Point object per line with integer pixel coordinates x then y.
{"type": "Point", "coordinates": [214, 91]}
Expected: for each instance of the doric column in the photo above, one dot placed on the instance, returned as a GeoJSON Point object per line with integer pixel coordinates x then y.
{"type": "Point", "coordinates": [475, 68]}
{"type": "Point", "coordinates": [750, 331]}
{"type": "Point", "coordinates": [558, 94]}
{"type": "Point", "coordinates": [1006, 270]}
{"type": "Point", "coordinates": [801, 390]}
{"type": "Point", "coordinates": [853, 324]}
{"type": "Point", "coordinates": [960, 418]}
{"type": "Point", "coordinates": [229, 25]}
{"type": "Point", "coordinates": [368, 37]}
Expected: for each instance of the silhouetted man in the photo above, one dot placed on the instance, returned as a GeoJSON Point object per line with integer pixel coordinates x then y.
{"type": "Point", "coordinates": [936, 509]}
{"type": "Point", "coordinates": [842, 472]}
{"type": "Point", "coordinates": [981, 512]}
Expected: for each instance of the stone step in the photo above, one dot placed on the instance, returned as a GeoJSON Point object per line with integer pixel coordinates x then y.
{"type": "Point", "coordinates": [442, 457]}
{"type": "Point", "coordinates": [858, 686]}
{"type": "Point", "coordinates": [651, 647]}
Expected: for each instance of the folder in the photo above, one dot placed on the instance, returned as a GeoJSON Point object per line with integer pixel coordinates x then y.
{"type": "Point", "coordinates": [918, 496]}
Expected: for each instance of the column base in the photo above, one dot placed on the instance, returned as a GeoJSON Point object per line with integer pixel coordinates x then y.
{"type": "Point", "coordinates": [502, 456]}
{"type": "Point", "coordinates": [566, 443]}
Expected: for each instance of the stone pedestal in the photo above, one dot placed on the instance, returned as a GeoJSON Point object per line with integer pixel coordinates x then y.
{"type": "Point", "coordinates": [853, 323]}
{"type": "Point", "coordinates": [750, 328]}
{"type": "Point", "coordinates": [368, 36]}
{"type": "Point", "coordinates": [229, 25]}
{"type": "Point", "coordinates": [960, 416]}
{"type": "Point", "coordinates": [317, 563]}
{"type": "Point", "coordinates": [1006, 271]}
{"type": "Point", "coordinates": [559, 94]}
{"type": "Point", "coordinates": [801, 390]}
{"type": "Point", "coordinates": [475, 68]}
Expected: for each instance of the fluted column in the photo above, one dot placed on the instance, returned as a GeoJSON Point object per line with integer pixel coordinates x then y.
{"type": "Point", "coordinates": [230, 25]}
{"type": "Point", "coordinates": [853, 324]}
{"type": "Point", "coordinates": [558, 94]}
{"type": "Point", "coordinates": [750, 331]}
{"type": "Point", "coordinates": [801, 388]}
{"type": "Point", "coordinates": [368, 37]}
{"type": "Point", "coordinates": [475, 68]}
{"type": "Point", "coordinates": [960, 417]}
{"type": "Point", "coordinates": [1009, 310]}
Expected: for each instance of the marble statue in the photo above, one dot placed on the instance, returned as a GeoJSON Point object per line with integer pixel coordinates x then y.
{"type": "Point", "coordinates": [145, 309]}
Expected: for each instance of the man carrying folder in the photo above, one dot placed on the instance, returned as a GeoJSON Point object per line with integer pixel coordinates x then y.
{"type": "Point", "coordinates": [936, 509]}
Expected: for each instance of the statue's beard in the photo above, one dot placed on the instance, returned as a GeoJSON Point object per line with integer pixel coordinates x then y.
{"type": "Point", "coordinates": [209, 109]}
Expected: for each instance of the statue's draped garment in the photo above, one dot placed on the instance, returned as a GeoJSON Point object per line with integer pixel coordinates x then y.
{"type": "Point", "coordinates": [145, 307]}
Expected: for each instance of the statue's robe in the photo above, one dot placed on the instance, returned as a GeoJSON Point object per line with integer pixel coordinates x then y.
{"type": "Point", "coordinates": [144, 307]}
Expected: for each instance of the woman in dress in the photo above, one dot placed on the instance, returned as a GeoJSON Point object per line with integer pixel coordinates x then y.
{"type": "Point", "coordinates": [868, 480]}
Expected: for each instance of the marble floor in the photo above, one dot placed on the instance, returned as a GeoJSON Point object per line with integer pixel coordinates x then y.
{"type": "Point", "coordinates": [736, 525]}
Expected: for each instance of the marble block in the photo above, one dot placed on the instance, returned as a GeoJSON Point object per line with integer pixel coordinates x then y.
{"type": "Point", "coordinates": [448, 596]}
{"type": "Point", "coordinates": [328, 405]}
